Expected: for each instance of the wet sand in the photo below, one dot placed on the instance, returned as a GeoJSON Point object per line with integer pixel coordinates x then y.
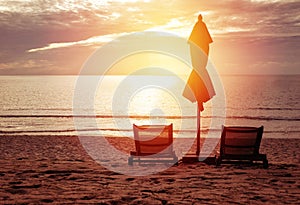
{"type": "Point", "coordinates": [56, 169]}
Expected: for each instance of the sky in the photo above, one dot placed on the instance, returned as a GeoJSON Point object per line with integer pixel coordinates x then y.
{"type": "Point", "coordinates": [55, 37]}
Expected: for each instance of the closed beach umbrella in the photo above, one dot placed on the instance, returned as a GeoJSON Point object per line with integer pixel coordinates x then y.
{"type": "Point", "coordinates": [199, 87]}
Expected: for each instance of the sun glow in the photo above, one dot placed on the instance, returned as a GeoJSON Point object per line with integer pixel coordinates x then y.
{"type": "Point", "coordinates": [133, 63]}
{"type": "Point", "coordinates": [130, 1]}
{"type": "Point", "coordinates": [120, 1]}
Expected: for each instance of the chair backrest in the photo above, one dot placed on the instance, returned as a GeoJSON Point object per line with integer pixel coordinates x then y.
{"type": "Point", "coordinates": [241, 140]}
{"type": "Point", "coordinates": [153, 139]}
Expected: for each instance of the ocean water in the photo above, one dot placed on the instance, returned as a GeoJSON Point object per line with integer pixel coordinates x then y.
{"type": "Point", "coordinates": [51, 105]}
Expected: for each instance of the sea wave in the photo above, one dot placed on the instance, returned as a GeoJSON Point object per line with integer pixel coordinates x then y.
{"type": "Point", "coordinates": [265, 118]}
{"type": "Point", "coordinates": [98, 116]}
{"type": "Point", "coordinates": [261, 118]}
{"type": "Point", "coordinates": [89, 130]}
{"type": "Point", "coordinates": [8, 132]}
{"type": "Point", "coordinates": [276, 108]}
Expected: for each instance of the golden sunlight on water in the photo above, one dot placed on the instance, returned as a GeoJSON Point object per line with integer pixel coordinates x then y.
{"type": "Point", "coordinates": [155, 103]}
{"type": "Point", "coordinates": [141, 100]}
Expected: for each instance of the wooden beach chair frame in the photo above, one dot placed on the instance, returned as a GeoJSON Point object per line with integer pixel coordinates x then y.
{"type": "Point", "coordinates": [226, 156]}
{"type": "Point", "coordinates": [166, 155]}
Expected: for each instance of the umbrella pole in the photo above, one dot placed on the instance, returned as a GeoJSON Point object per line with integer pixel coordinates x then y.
{"type": "Point", "coordinates": [198, 130]}
{"type": "Point", "coordinates": [191, 157]}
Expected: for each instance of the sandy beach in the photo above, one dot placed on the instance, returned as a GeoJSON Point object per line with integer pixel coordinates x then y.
{"type": "Point", "coordinates": [56, 169]}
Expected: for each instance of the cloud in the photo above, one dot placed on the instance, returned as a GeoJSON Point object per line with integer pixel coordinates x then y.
{"type": "Point", "coordinates": [98, 40]}
{"type": "Point", "coordinates": [273, 18]}
{"type": "Point", "coordinates": [256, 55]}
{"type": "Point", "coordinates": [230, 17]}
{"type": "Point", "coordinates": [29, 66]}
{"type": "Point", "coordinates": [44, 30]}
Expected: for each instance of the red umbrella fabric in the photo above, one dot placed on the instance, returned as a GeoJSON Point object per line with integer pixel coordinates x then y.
{"type": "Point", "coordinates": [199, 86]}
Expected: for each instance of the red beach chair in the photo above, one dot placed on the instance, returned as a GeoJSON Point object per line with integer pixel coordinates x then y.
{"type": "Point", "coordinates": [153, 143]}
{"type": "Point", "coordinates": [241, 144]}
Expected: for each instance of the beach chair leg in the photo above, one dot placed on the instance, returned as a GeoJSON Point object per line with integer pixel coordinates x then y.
{"type": "Point", "coordinates": [130, 160]}
{"type": "Point", "coordinates": [265, 164]}
{"type": "Point", "coordinates": [175, 161]}
{"type": "Point", "coordinates": [218, 161]}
